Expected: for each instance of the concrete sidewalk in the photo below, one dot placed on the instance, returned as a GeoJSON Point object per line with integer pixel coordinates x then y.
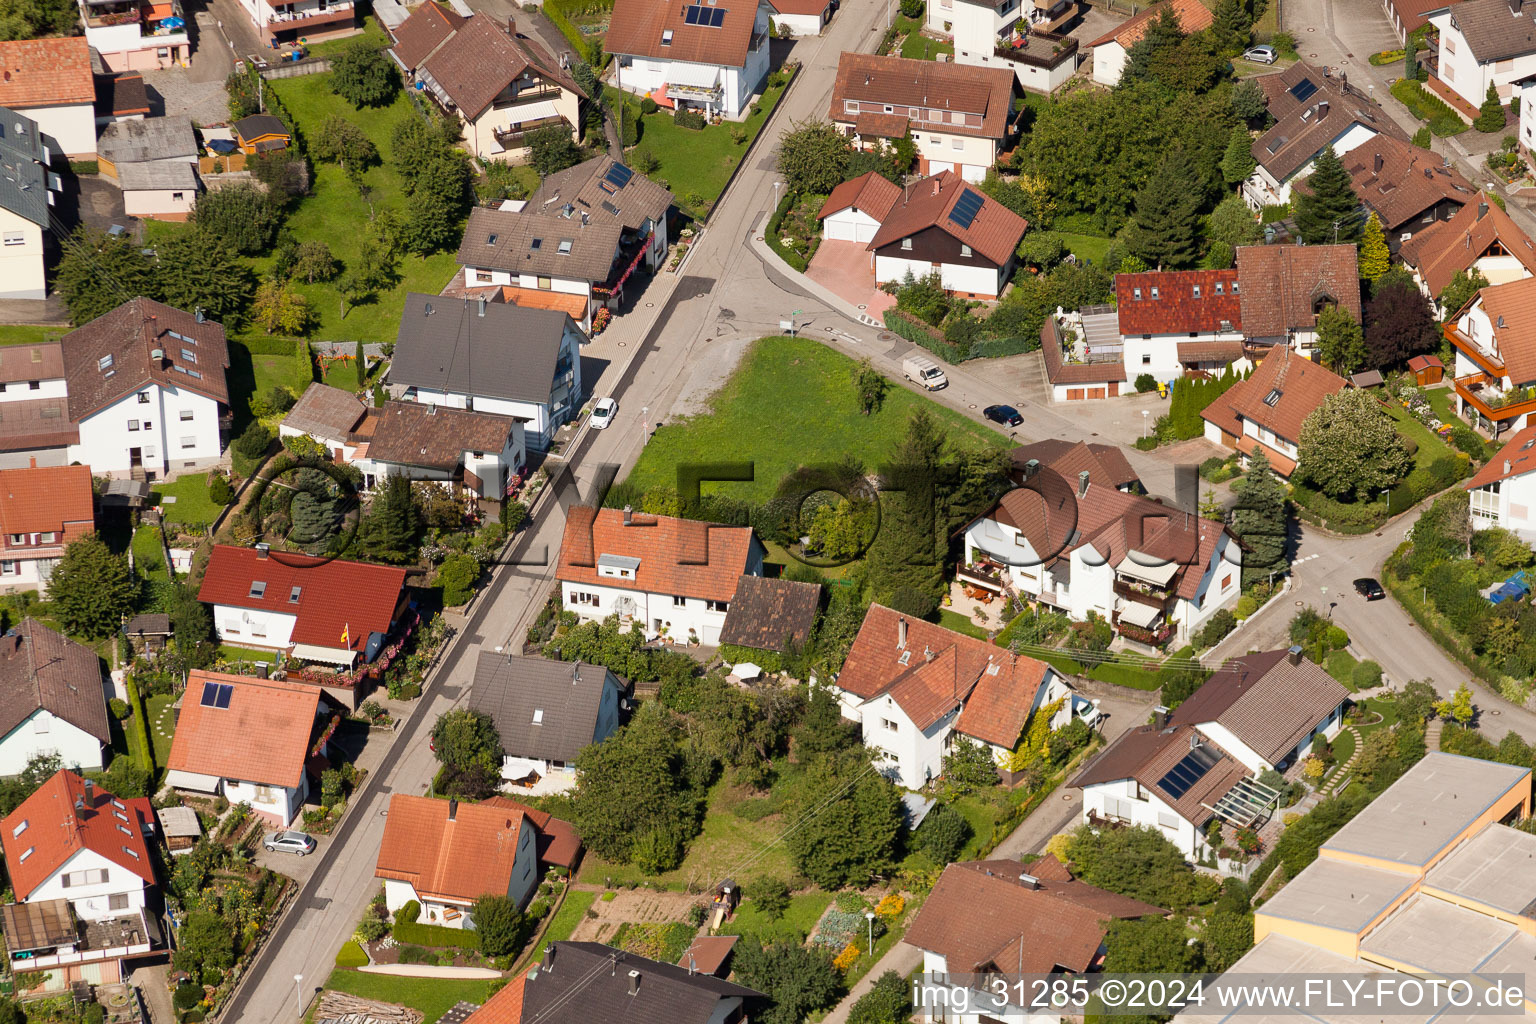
{"type": "Point", "coordinates": [901, 958]}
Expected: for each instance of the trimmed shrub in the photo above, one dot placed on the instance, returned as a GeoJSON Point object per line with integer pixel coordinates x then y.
{"type": "Point", "coordinates": [119, 708]}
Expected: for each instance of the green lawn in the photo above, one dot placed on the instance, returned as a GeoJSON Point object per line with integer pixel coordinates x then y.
{"type": "Point", "coordinates": [1343, 746]}
{"type": "Point", "coordinates": [960, 624]}
{"type": "Point", "coordinates": [575, 906]}
{"type": "Point", "coordinates": [791, 403]}
{"type": "Point", "coordinates": [794, 925]}
{"type": "Point", "coordinates": [192, 504]}
{"type": "Point", "coordinates": [1426, 106]}
{"type": "Point", "coordinates": [30, 334]}
{"type": "Point", "coordinates": [162, 725]}
{"type": "Point", "coordinates": [695, 165]}
{"type": "Point", "coordinates": [148, 552]}
{"type": "Point", "coordinates": [1341, 665]}
{"type": "Point", "coordinates": [982, 811]}
{"type": "Point", "coordinates": [1135, 673]}
{"type": "Point", "coordinates": [432, 996]}
{"type": "Point", "coordinates": [1431, 447]}
{"type": "Point", "coordinates": [229, 653]}
{"type": "Point", "coordinates": [1087, 247]}
{"type": "Point", "coordinates": [372, 32]}
{"type": "Point", "coordinates": [919, 47]}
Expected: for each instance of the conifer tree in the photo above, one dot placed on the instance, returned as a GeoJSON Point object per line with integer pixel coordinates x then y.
{"type": "Point", "coordinates": [1327, 209]}
{"type": "Point", "coordinates": [1375, 257]}
{"type": "Point", "coordinates": [1165, 225]}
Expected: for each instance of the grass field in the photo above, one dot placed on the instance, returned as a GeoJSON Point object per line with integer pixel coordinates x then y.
{"type": "Point", "coordinates": [1341, 665]}
{"type": "Point", "coordinates": [372, 32]}
{"type": "Point", "coordinates": [30, 334]}
{"type": "Point", "coordinates": [571, 911]}
{"type": "Point", "coordinates": [229, 653]}
{"type": "Point", "coordinates": [1431, 447]}
{"type": "Point", "coordinates": [794, 925]}
{"type": "Point", "coordinates": [815, 419]}
{"type": "Point", "coordinates": [432, 996]}
{"type": "Point", "coordinates": [1426, 106]}
{"type": "Point", "coordinates": [162, 725]}
{"type": "Point", "coordinates": [148, 553]}
{"type": "Point", "coordinates": [1087, 247]}
{"type": "Point", "coordinates": [960, 624]}
{"type": "Point", "coordinates": [192, 504]}
{"type": "Point", "coordinates": [919, 47]}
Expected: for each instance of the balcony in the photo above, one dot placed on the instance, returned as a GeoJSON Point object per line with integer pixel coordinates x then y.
{"type": "Point", "coordinates": [1142, 593]}
{"type": "Point", "coordinates": [696, 93]}
{"type": "Point", "coordinates": [1490, 361]}
{"type": "Point", "coordinates": [515, 136]}
{"type": "Point", "coordinates": [112, 19]}
{"type": "Point", "coordinates": [529, 94]}
{"type": "Point", "coordinates": [1155, 637]}
{"type": "Point", "coordinates": [1494, 403]}
{"type": "Point", "coordinates": [986, 575]}
{"type": "Point", "coordinates": [291, 18]}
{"type": "Point", "coordinates": [1037, 49]}
{"type": "Point", "coordinates": [47, 934]}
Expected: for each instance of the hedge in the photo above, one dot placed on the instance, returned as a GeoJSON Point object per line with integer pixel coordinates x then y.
{"type": "Point", "coordinates": [900, 322]}
{"type": "Point", "coordinates": [351, 955]}
{"type": "Point", "coordinates": [768, 661]}
{"type": "Point", "coordinates": [434, 935]}
{"type": "Point", "coordinates": [1426, 106]}
{"type": "Point", "coordinates": [771, 234]}
{"type": "Point", "coordinates": [589, 50]}
{"type": "Point", "coordinates": [1432, 621]}
{"type": "Point", "coordinates": [140, 726]}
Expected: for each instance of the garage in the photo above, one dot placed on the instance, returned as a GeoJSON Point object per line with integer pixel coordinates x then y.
{"type": "Point", "coordinates": [850, 225]}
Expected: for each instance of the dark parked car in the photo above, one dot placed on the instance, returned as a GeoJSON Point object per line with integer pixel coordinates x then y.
{"type": "Point", "coordinates": [1007, 415]}
{"type": "Point", "coordinates": [1369, 589]}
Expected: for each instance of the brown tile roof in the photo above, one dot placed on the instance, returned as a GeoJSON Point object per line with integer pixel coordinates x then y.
{"type": "Point", "coordinates": [121, 95]}
{"type": "Point", "coordinates": [447, 849]}
{"type": "Point", "coordinates": [1493, 30]}
{"type": "Point", "coordinates": [801, 6]}
{"type": "Point", "coordinates": [956, 99]}
{"type": "Point", "coordinates": [1445, 247]}
{"type": "Point", "coordinates": [1210, 351]}
{"type": "Point", "coordinates": [481, 59]}
{"type": "Point", "coordinates": [422, 32]}
{"type": "Point", "coordinates": [993, 233]}
{"type": "Point", "coordinates": [1000, 705]}
{"type": "Point", "coordinates": [1412, 12]}
{"type": "Point", "coordinates": [588, 187]}
{"type": "Point", "coordinates": [1303, 127]}
{"type": "Point", "coordinates": [47, 499]}
{"type": "Point", "coordinates": [261, 126]}
{"type": "Point", "coordinates": [1302, 384]}
{"type": "Point", "coordinates": [37, 423]}
{"type": "Point", "coordinates": [677, 556]}
{"type": "Point", "coordinates": [877, 125]}
{"type": "Point", "coordinates": [324, 411]}
{"type": "Point", "coordinates": [635, 28]}
{"type": "Point", "coordinates": [1516, 458]}
{"type": "Point", "coordinates": [1185, 300]}
{"type": "Point", "coordinates": [1193, 16]}
{"type": "Point", "coordinates": [869, 193]}
{"type": "Point", "coordinates": [503, 240]}
{"type": "Point", "coordinates": [129, 334]}
{"type": "Point", "coordinates": [505, 1007]}
{"type": "Point", "coordinates": [46, 824]}
{"type": "Point", "coordinates": [572, 305]}
{"type": "Point", "coordinates": [1400, 181]}
{"type": "Point", "coordinates": [1282, 283]}
{"type": "Point", "coordinates": [708, 954]}
{"type": "Point", "coordinates": [559, 842]}
{"type": "Point", "coordinates": [1146, 754]}
{"type": "Point", "coordinates": [46, 73]}
{"type": "Point", "coordinates": [1511, 309]}
{"type": "Point", "coordinates": [1265, 701]}
{"type": "Point", "coordinates": [1105, 462]}
{"type": "Point", "coordinates": [263, 736]}
{"type": "Point", "coordinates": [981, 915]}
{"type": "Point", "coordinates": [435, 436]}
{"type": "Point", "coordinates": [768, 614]}
{"type": "Point", "coordinates": [31, 362]}
{"type": "Point", "coordinates": [1059, 371]}
{"type": "Point", "coordinates": [333, 596]}
{"type": "Point", "coordinates": [43, 669]}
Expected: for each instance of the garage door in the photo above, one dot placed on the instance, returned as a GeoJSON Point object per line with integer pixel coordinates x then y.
{"type": "Point", "coordinates": [1074, 394]}
{"type": "Point", "coordinates": [1096, 392]}
{"type": "Point", "coordinates": [839, 230]}
{"type": "Point", "coordinates": [865, 232]}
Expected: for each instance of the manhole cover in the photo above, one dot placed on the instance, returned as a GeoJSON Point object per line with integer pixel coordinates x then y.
{"type": "Point", "coordinates": [1298, 604]}
{"type": "Point", "coordinates": [1495, 712]}
{"type": "Point", "coordinates": [973, 407]}
{"type": "Point", "coordinates": [759, 238]}
{"type": "Point", "coordinates": [863, 305]}
{"type": "Point", "coordinates": [885, 336]}
{"type": "Point", "coordinates": [622, 344]}
{"type": "Point", "coordinates": [649, 305]}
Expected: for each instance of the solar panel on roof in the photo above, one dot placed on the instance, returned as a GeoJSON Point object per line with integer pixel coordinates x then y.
{"type": "Point", "coordinates": [210, 693]}
{"type": "Point", "coordinates": [966, 208]}
{"type": "Point", "coordinates": [1302, 89]}
{"type": "Point", "coordinates": [610, 208]}
{"type": "Point", "coordinates": [1187, 772]}
{"type": "Point", "coordinates": [618, 175]}
{"type": "Point", "coordinates": [716, 17]}
{"type": "Point", "coordinates": [692, 15]}
{"type": "Point", "coordinates": [225, 690]}
{"type": "Point", "coordinates": [216, 695]}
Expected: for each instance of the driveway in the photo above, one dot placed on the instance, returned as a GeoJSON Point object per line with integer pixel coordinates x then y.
{"type": "Point", "coordinates": [844, 268]}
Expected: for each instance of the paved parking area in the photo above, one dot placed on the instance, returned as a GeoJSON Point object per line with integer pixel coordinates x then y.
{"type": "Point", "coordinates": [845, 269]}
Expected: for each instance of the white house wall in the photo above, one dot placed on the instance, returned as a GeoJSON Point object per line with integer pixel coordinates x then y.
{"type": "Point", "coordinates": [22, 275]}
{"type": "Point", "coordinates": [73, 127]}
{"type": "Point", "coordinates": [253, 627]}
{"type": "Point", "coordinates": [279, 803]}
{"type": "Point", "coordinates": [913, 756]}
{"type": "Point", "coordinates": [170, 204]}
{"type": "Point", "coordinates": [1108, 63]}
{"type": "Point", "coordinates": [105, 437]}
{"type": "Point", "coordinates": [798, 24]}
{"type": "Point", "coordinates": [647, 609]}
{"type": "Point", "coordinates": [850, 225]}
{"type": "Point", "coordinates": [981, 281]}
{"type": "Point", "coordinates": [43, 732]}
{"type": "Point", "coordinates": [91, 902]}
{"type": "Point", "coordinates": [1460, 69]}
{"type": "Point", "coordinates": [1117, 800]}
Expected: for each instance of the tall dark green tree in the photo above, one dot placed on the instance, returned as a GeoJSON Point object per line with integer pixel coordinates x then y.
{"type": "Point", "coordinates": [242, 215]}
{"type": "Point", "coordinates": [889, 1000]}
{"type": "Point", "coordinates": [199, 271]}
{"type": "Point", "coordinates": [390, 528]}
{"type": "Point", "coordinates": [552, 149]}
{"type": "Point", "coordinates": [97, 273]}
{"type": "Point", "coordinates": [1231, 26]}
{"type": "Point", "coordinates": [1258, 519]}
{"type": "Point", "coordinates": [1238, 162]}
{"type": "Point", "coordinates": [1164, 230]}
{"type": "Point", "coordinates": [907, 552]}
{"type": "Point", "coordinates": [361, 361]}
{"type": "Point", "coordinates": [1490, 115]}
{"type": "Point", "coordinates": [92, 588]}
{"type": "Point", "coordinates": [1327, 208]}
{"type": "Point", "coordinates": [1161, 39]}
{"type": "Point", "coordinates": [851, 819]}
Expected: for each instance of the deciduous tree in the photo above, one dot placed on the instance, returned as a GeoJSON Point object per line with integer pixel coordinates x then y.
{"type": "Point", "coordinates": [339, 141]}
{"type": "Point", "coordinates": [888, 1001]}
{"type": "Point", "coordinates": [199, 271]}
{"type": "Point", "coordinates": [92, 588]}
{"type": "Point", "coordinates": [552, 150]}
{"type": "Point", "coordinates": [851, 817]}
{"type": "Point", "coordinates": [1232, 222]}
{"type": "Point", "coordinates": [869, 386]}
{"type": "Point", "coordinates": [281, 310]}
{"type": "Point", "coordinates": [1460, 291]}
{"type": "Point", "coordinates": [364, 75]}
{"type": "Point", "coordinates": [798, 980]}
{"type": "Point", "coordinates": [632, 789]}
{"type": "Point", "coordinates": [813, 157]}
{"type": "Point", "coordinates": [241, 215]}
{"type": "Point", "coordinates": [1398, 324]}
{"type": "Point", "coordinates": [313, 262]}
{"type": "Point", "coordinates": [1350, 447]}
{"type": "Point", "coordinates": [1340, 343]}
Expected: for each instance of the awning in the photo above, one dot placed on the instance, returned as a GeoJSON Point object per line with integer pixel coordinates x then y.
{"type": "Point", "coordinates": [746, 670]}
{"type": "Point", "coordinates": [1138, 614]}
{"type": "Point", "coordinates": [1138, 565]}
{"type": "Point", "coordinates": [697, 76]}
{"type": "Point", "coordinates": [328, 655]}
{"type": "Point", "coordinates": [534, 112]}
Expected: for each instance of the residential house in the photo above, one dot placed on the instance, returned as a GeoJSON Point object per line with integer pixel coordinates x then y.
{"type": "Point", "coordinates": [1494, 336]}
{"type": "Point", "coordinates": [1503, 491]}
{"type": "Point", "coordinates": [154, 162]}
{"type": "Point", "coordinates": [137, 35]}
{"type": "Point", "coordinates": [82, 875]}
{"type": "Point", "coordinates": [248, 740]}
{"type": "Point", "coordinates": [801, 17]}
{"type": "Point", "coordinates": [1266, 411]}
{"type": "Point", "coordinates": [1312, 110]}
{"type": "Point", "coordinates": [1174, 321]}
{"type": "Point", "coordinates": [1106, 462]}
{"type": "Point", "coordinates": [1480, 238]}
{"type": "Point", "coordinates": [35, 428]}
{"type": "Point", "coordinates": [42, 509]}
{"type": "Point", "coordinates": [588, 981]}
{"type": "Point", "coordinates": [52, 699]}
{"type": "Point", "coordinates": [1445, 895]}
{"type": "Point", "coordinates": [26, 201]}
{"type": "Point", "coordinates": [692, 55]}
{"type": "Point", "coordinates": [1085, 548]}
{"type": "Point", "coordinates": [1408, 188]}
{"type": "Point", "coordinates": [443, 855]}
{"type": "Point", "coordinates": [960, 118]}
{"type": "Point", "coordinates": [546, 713]}
{"type": "Point", "coordinates": [558, 842]}
{"type": "Point", "coordinates": [472, 453]}
{"type": "Point", "coordinates": [913, 687]}
{"type": "Point", "coordinates": [50, 81]}
{"type": "Point", "coordinates": [161, 191]}
{"type": "Point", "coordinates": [604, 189]}
{"type": "Point", "coordinates": [1257, 713]}
{"type": "Point", "coordinates": [675, 577]}
{"type": "Point", "coordinates": [1083, 354]}
{"type": "Point", "coordinates": [491, 357]}
{"type": "Point", "coordinates": [854, 210]}
{"type": "Point", "coordinates": [337, 419]}
{"type": "Point", "coordinates": [329, 611]}
{"type": "Point", "coordinates": [500, 86]}
{"type": "Point", "coordinates": [941, 224]}
{"type": "Point", "coordinates": [121, 97]}
{"type": "Point", "coordinates": [1000, 917]}
{"type": "Point", "coordinates": [145, 389]}
{"type": "Point", "coordinates": [262, 133]}
{"type": "Point", "coordinates": [280, 23]}
{"type": "Point", "coordinates": [1482, 43]}
{"type": "Point", "coordinates": [1021, 35]}
{"type": "Point", "coordinates": [1285, 287]}
{"type": "Point", "coordinates": [771, 614]}
{"type": "Point", "coordinates": [1408, 16]}
{"type": "Point", "coordinates": [1113, 48]}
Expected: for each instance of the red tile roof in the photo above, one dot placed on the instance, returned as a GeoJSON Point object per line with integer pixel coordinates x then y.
{"type": "Point", "coordinates": [478, 61]}
{"type": "Point", "coordinates": [263, 736]}
{"type": "Point", "coordinates": [869, 193]}
{"type": "Point", "coordinates": [559, 842]}
{"type": "Point", "coordinates": [505, 1007]}
{"type": "Point", "coordinates": [1302, 384]}
{"type": "Point", "coordinates": [449, 850]}
{"type": "Point", "coordinates": [1283, 283]}
{"type": "Point", "coordinates": [993, 233]}
{"type": "Point", "coordinates": [708, 953]}
{"type": "Point", "coordinates": [333, 596]}
{"type": "Point", "coordinates": [1193, 16]}
{"type": "Point", "coordinates": [677, 556]}
{"type": "Point", "coordinates": [1445, 247]}
{"type": "Point", "coordinates": [801, 6]}
{"type": "Point", "coordinates": [956, 99]}
{"type": "Point", "coordinates": [1178, 302]}
{"type": "Point", "coordinates": [1516, 458]}
{"type": "Point", "coordinates": [422, 32]}
{"type": "Point", "coordinates": [51, 831]}
{"type": "Point", "coordinates": [635, 27]}
{"type": "Point", "coordinates": [1412, 12]}
{"type": "Point", "coordinates": [1059, 371]}
{"type": "Point", "coordinates": [46, 73]}
{"type": "Point", "coordinates": [1105, 462]}
{"type": "Point", "coordinates": [1511, 309]}
{"type": "Point", "coordinates": [46, 499]}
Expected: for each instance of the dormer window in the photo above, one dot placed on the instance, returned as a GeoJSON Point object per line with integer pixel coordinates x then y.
{"type": "Point", "coordinates": [1273, 398]}
{"type": "Point", "coordinates": [1234, 287]}
{"type": "Point", "coordinates": [258, 588]}
{"type": "Point", "coordinates": [293, 595]}
{"type": "Point", "coordinates": [1154, 291]}
{"type": "Point", "coordinates": [536, 244]}
{"type": "Point", "coordinates": [1197, 291]}
{"type": "Point", "coordinates": [666, 37]}
{"type": "Point", "coordinates": [1137, 293]}
{"type": "Point", "coordinates": [906, 243]}
{"type": "Point", "coordinates": [565, 246]}
{"type": "Point", "coordinates": [620, 567]}
{"type": "Point", "coordinates": [19, 829]}
{"type": "Point", "coordinates": [1218, 288]}
{"type": "Point", "coordinates": [538, 716]}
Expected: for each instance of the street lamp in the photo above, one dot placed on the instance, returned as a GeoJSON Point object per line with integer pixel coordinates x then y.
{"type": "Point", "coordinates": [776, 194]}
{"type": "Point", "coordinates": [869, 915]}
{"type": "Point", "coordinates": [1144, 423]}
{"type": "Point", "coordinates": [645, 424]}
{"type": "Point", "coordinates": [298, 992]}
{"type": "Point", "coordinates": [1325, 600]}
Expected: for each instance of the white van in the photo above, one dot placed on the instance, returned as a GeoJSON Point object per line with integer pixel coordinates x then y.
{"type": "Point", "coordinates": [924, 372]}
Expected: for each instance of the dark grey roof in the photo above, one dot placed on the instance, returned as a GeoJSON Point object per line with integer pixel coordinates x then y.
{"type": "Point", "coordinates": [1493, 30]}
{"type": "Point", "coordinates": [324, 411]}
{"type": "Point", "coordinates": [162, 174]}
{"type": "Point", "coordinates": [43, 669]}
{"type": "Point", "coordinates": [149, 622]}
{"type": "Point", "coordinates": [770, 614]}
{"type": "Point", "coordinates": [154, 138]}
{"type": "Point", "coordinates": [588, 981]}
{"type": "Point", "coordinates": [566, 695]}
{"type": "Point", "coordinates": [23, 179]}
{"type": "Point", "coordinates": [496, 350]}
{"type": "Point", "coordinates": [530, 243]}
{"type": "Point", "coordinates": [592, 189]}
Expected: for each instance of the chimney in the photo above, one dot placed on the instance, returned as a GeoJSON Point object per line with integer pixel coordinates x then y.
{"type": "Point", "coordinates": [1376, 162]}
{"type": "Point", "coordinates": [576, 672]}
{"type": "Point", "coordinates": [480, 307]}
{"type": "Point", "coordinates": [428, 311]}
{"type": "Point", "coordinates": [1507, 467]}
{"type": "Point", "coordinates": [549, 957]}
{"type": "Point", "coordinates": [901, 633]}
{"type": "Point", "coordinates": [90, 795]}
{"type": "Point", "coordinates": [34, 462]}
{"type": "Point", "coordinates": [1293, 656]}
{"type": "Point", "coordinates": [629, 515]}
{"type": "Point", "coordinates": [80, 808]}
{"type": "Point", "coordinates": [1029, 881]}
{"type": "Point", "coordinates": [927, 653]}
{"type": "Point", "coordinates": [199, 315]}
{"type": "Point", "coordinates": [1514, 7]}
{"type": "Point", "coordinates": [1159, 716]}
{"type": "Point", "coordinates": [935, 186]}
{"type": "Point", "coordinates": [634, 982]}
{"type": "Point", "coordinates": [453, 810]}
{"type": "Point", "coordinates": [1082, 483]}
{"type": "Point", "coordinates": [693, 965]}
{"type": "Point", "coordinates": [1482, 210]}
{"type": "Point", "coordinates": [261, 552]}
{"type": "Point", "coordinates": [511, 26]}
